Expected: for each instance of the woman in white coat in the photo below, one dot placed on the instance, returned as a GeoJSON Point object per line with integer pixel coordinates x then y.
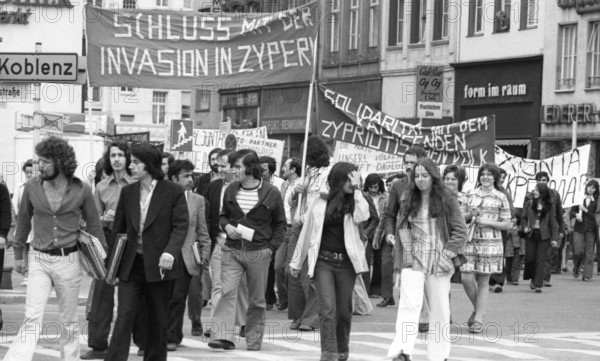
{"type": "Point", "coordinates": [330, 239]}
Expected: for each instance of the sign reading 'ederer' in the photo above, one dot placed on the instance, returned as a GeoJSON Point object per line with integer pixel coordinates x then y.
{"type": "Point", "coordinates": [180, 50]}
{"type": "Point", "coordinates": [44, 67]}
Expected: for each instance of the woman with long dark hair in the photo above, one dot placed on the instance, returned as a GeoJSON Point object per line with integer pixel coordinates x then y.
{"type": "Point", "coordinates": [330, 238]}
{"type": "Point", "coordinates": [585, 232]}
{"type": "Point", "coordinates": [541, 230]}
{"type": "Point", "coordinates": [432, 231]}
{"type": "Point", "coordinates": [488, 210]}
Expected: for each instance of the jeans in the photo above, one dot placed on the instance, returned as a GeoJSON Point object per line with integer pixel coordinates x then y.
{"type": "Point", "coordinates": [334, 283]}
{"type": "Point", "coordinates": [367, 275]}
{"type": "Point", "coordinates": [376, 276]}
{"type": "Point", "coordinates": [583, 252]}
{"type": "Point", "coordinates": [513, 265]}
{"type": "Point", "coordinates": [536, 258]}
{"type": "Point", "coordinates": [412, 287]}
{"type": "Point", "coordinates": [281, 279]}
{"type": "Point", "coordinates": [270, 295]}
{"type": "Point", "coordinates": [45, 272]}
{"type": "Point", "coordinates": [387, 270]}
{"type": "Point", "coordinates": [254, 266]}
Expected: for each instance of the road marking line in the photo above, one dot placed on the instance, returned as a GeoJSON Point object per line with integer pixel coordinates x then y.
{"type": "Point", "coordinates": [503, 352]}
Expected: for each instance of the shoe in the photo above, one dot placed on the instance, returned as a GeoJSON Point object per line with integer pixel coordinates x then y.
{"type": "Point", "coordinates": [585, 279]}
{"type": "Point", "coordinates": [575, 273]}
{"type": "Point", "coordinates": [471, 319]}
{"type": "Point", "coordinates": [204, 303]}
{"type": "Point", "coordinates": [386, 302]}
{"type": "Point", "coordinates": [140, 352]}
{"type": "Point", "coordinates": [565, 269]}
{"type": "Point", "coordinates": [515, 283]}
{"type": "Point", "coordinates": [24, 282]}
{"type": "Point", "coordinates": [374, 296]}
{"type": "Point", "coordinates": [222, 344]}
{"type": "Point", "coordinates": [294, 325]}
{"type": "Point", "coordinates": [343, 356]}
{"type": "Point", "coordinates": [538, 290]}
{"type": "Point", "coordinates": [282, 306]}
{"type": "Point", "coordinates": [269, 306]}
{"type": "Point", "coordinates": [402, 357]}
{"type": "Point", "coordinates": [547, 284]}
{"type": "Point", "coordinates": [531, 285]}
{"type": "Point", "coordinates": [423, 327]}
{"type": "Point", "coordinates": [171, 346]}
{"type": "Point", "coordinates": [306, 328]}
{"type": "Point", "coordinates": [476, 327]}
{"type": "Point", "coordinates": [196, 329]}
{"type": "Point", "coordinates": [243, 331]}
{"type": "Point", "coordinates": [253, 349]}
{"type": "Point", "coordinates": [555, 272]}
{"type": "Point", "coordinates": [93, 354]}
{"type": "Point", "coordinates": [497, 289]}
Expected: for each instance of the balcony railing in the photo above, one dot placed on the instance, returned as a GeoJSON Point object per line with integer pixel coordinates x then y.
{"type": "Point", "coordinates": [565, 84]}
{"type": "Point", "coordinates": [593, 81]}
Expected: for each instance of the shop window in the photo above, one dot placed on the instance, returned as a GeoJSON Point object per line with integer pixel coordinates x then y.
{"type": "Point", "coordinates": [567, 57]}
{"type": "Point", "coordinates": [440, 25]}
{"type": "Point", "coordinates": [127, 118]}
{"type": "Point", "coordinates": [418, 18]}
{"type": "Point", "coordinates": [186, 104]}
{"type": "Point", "coordinates": [475, 17]}
{"type": "Point", "coordinates": [202, 101]}
{"type": "Point", "coordinates": [159, 106]}
{"type": "Point", "coordinates": [354, 24]}
{"type": "Point", "coordinates": [396, 29]}
{"type": "Point", "coordinates": [530, 10]}
{"type": "Point", "coordinates": [593, 56]}
{"type": "Point", "coordinates": [374, 23]}
{"type": "Point", "coordinates": [129, 4]}
{"type": "Point", "coordinates": [502, 16]}
{"type": "Point", "coordinates": [241, 109]}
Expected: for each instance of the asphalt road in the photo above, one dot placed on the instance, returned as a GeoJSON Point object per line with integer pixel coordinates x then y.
{"type": "Point", "coordinates": [561, 323]}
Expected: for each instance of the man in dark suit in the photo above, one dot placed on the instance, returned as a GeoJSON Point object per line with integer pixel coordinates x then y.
{"type": "Point", "coordinates": [154, 215]}
{"type": "Point", "coordinates": [213, 174]}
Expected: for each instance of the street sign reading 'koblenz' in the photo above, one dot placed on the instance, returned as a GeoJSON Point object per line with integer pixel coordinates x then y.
{"type": "Point", "coordinates": [42, 67]}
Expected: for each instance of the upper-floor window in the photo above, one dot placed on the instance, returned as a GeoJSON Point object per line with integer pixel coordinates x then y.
{"type": "Point", "coordinates": [440, 25]}
{"type": "Point", "coordinates": [162, 3]}
{"type": "Point", "coordinates": [502, 16]}
{"type": "Point", "coordinates": [129, 4]}
{"type": "Point", "coordinates": [374, 23]}
{"type": "Point", "coordinates": [187, 4]}
{"type": "Point", "coordinates": [396, 28]}
{"type": "Point", "coordinates": [354, 24]}
{"type": "Point", "coordinates": [593, 56]}
{"type": "Point", "coordinates": [418, 19]}
{"type": "Point", "coordinates": [334, 29]}
{"type": "Point", "coordinates": [475, 17]}
{"type": "Point", "coordinates": [159, 107]}
{"type": "Point", "coordinates": [567, 56]}
{"type": "Point", "coordinates": [292, 4]}
{"type": "Point", "coordinates": [186, 104]}
{"type": "Point", "coordinates": [530, 10]}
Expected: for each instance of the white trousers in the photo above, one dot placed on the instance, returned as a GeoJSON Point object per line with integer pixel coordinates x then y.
{"type": "Point", "coordinates": [217, 288]}
{"type": "Point", "coordinates": [412, 286]}
{"type": "Point", "coordinates": [44, 272]}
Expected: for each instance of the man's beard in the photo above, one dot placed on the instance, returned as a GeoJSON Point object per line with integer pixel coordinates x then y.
{"type": "Point", "coordinates": [214, 168]}
{"type": "Point", "coordinates": [45, 176]}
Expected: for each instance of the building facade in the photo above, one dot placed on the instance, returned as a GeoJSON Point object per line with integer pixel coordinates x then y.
{"type": "Point", "coordinates": [571, 89]}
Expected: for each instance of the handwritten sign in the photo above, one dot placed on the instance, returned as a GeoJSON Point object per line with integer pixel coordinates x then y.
{"type": "Point", "coordinates": [168, 49]}
{"type": "Point", "coordinates": [367, 160]}
{"type": "Point", "coordinates": [467, 143]}
{"type": "Point", "coordinates": [567, 171]}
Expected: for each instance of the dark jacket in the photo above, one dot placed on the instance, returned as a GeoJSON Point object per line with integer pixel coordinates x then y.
{"type": "Point", "coordinates": [267, 218]}
{"type": "Point", "coordinates": [5, 211]}
{"type": "Point", "coordinates": [548, 223]}
{"type": "Point", "coordinates": [367, 229]}
{"type": "Point", "coordinates": [214, 198]}
{"type": "Point", "coordinates": [588, 219]}
{"type": "Point", "coordinates": [559, 210]}
{"type": "Point", "coordinates": [202, 185]}
{"type": "Point", "coordinates": [165, 229]}
{"type": "Point", "coordinates": [393, 206]}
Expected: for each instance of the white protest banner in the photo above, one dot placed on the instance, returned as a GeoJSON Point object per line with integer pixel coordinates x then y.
{"type": "Point", "coordinates": [264, 147]}
{"type": "Point", "coordinates": [567, 171]}
{"type": "Point", "coordinates": [367, 160]}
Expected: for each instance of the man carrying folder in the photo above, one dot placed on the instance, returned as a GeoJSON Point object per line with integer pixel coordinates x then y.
{"type": "Point", "coordinates": [180, 172]}
{"type": "Point", "coordinates": [153, 214]}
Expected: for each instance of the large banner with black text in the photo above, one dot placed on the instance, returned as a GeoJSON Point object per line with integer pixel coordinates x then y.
{"type": "Point", "coordinates": [466, 143]}
{"type": "Point", "coordinates": [168, 49]}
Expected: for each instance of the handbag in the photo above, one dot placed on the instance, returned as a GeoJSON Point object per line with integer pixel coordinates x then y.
{"type": "Point", "coordinates": [361, 305]}
{"type": "Point", "coordinates": [406, 241]}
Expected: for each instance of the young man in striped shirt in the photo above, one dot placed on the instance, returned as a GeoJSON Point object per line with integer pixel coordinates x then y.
{"type": "Point", "coordinates": [253, 217]}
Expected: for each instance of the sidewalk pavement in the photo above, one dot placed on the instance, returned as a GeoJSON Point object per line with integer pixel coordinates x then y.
{"type": "Point", "coordinates": [18, 292]}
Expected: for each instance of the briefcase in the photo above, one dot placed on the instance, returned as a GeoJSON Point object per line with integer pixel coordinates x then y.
{"type": "Point", "coordinates": [117, 255]}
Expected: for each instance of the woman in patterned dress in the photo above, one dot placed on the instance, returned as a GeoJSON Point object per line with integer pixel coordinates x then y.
{"type": "Point", "coordinates": [488, 210]}
{"type": "Point", "coordinates": [431, 231]}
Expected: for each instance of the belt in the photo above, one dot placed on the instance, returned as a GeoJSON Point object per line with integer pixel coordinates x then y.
{"type": "Point", "coordinates": [326, 255]}
{"type": "Point", "coordinates": [59, 251]}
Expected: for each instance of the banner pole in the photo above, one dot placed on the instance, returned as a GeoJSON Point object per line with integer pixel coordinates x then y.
{"type": "Point", "coordinates": [311, 90]}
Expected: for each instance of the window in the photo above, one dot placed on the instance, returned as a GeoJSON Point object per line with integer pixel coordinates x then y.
{"type": "Point", "coordinates": [354, 24]}
{"type": "Point", "coordinates": [252, 7]}
{"type": "Point", "coordinates": [127, 118]}
{"type": "Point", "coordinates": [396, 22]}
{"type": "Point", "coordinates": [293, 3]}
{"type": "Point", "coordinates": [567, 46]}
{"type": "Point", "coordinates": [94, 91]}
{"type": "Point", "coordinates": [186, 104]}
{"type": "Point", "coordinates": [159, 104]}
{"type": "Point", "coordinates": [502, 16]}
{"type": "Point", "coordinates": [129, 4]}
{"type": "Point", "coordinates": [530, 10]}
{"type": "Point", "coordinates": [126, 89]}
{"type": "Point", "coordinates": [272, 6]}
{"type": "Point", "coordinates": [440, 26]}
{"type": "Point", "coordinates": [202, 100]}
{"type": "Point", "coordinates": [162, 3]}
{"type": "Point", "coordinates": [334, 36]}
{"type": "Point", "coordinates": [241, 109]}
{"type": "Point", "coordinates": [593, 56]}
{"type": "Point", "coordinates": [475, 17]}
{"type": "Point", "coordinates": [97, 3]}
{"type": "Point", "coordinates": [187, 4]}
{"type": "Point", "coordinates": [418, 17]}
{"type": "Point", "coordinates": [374, 24]}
